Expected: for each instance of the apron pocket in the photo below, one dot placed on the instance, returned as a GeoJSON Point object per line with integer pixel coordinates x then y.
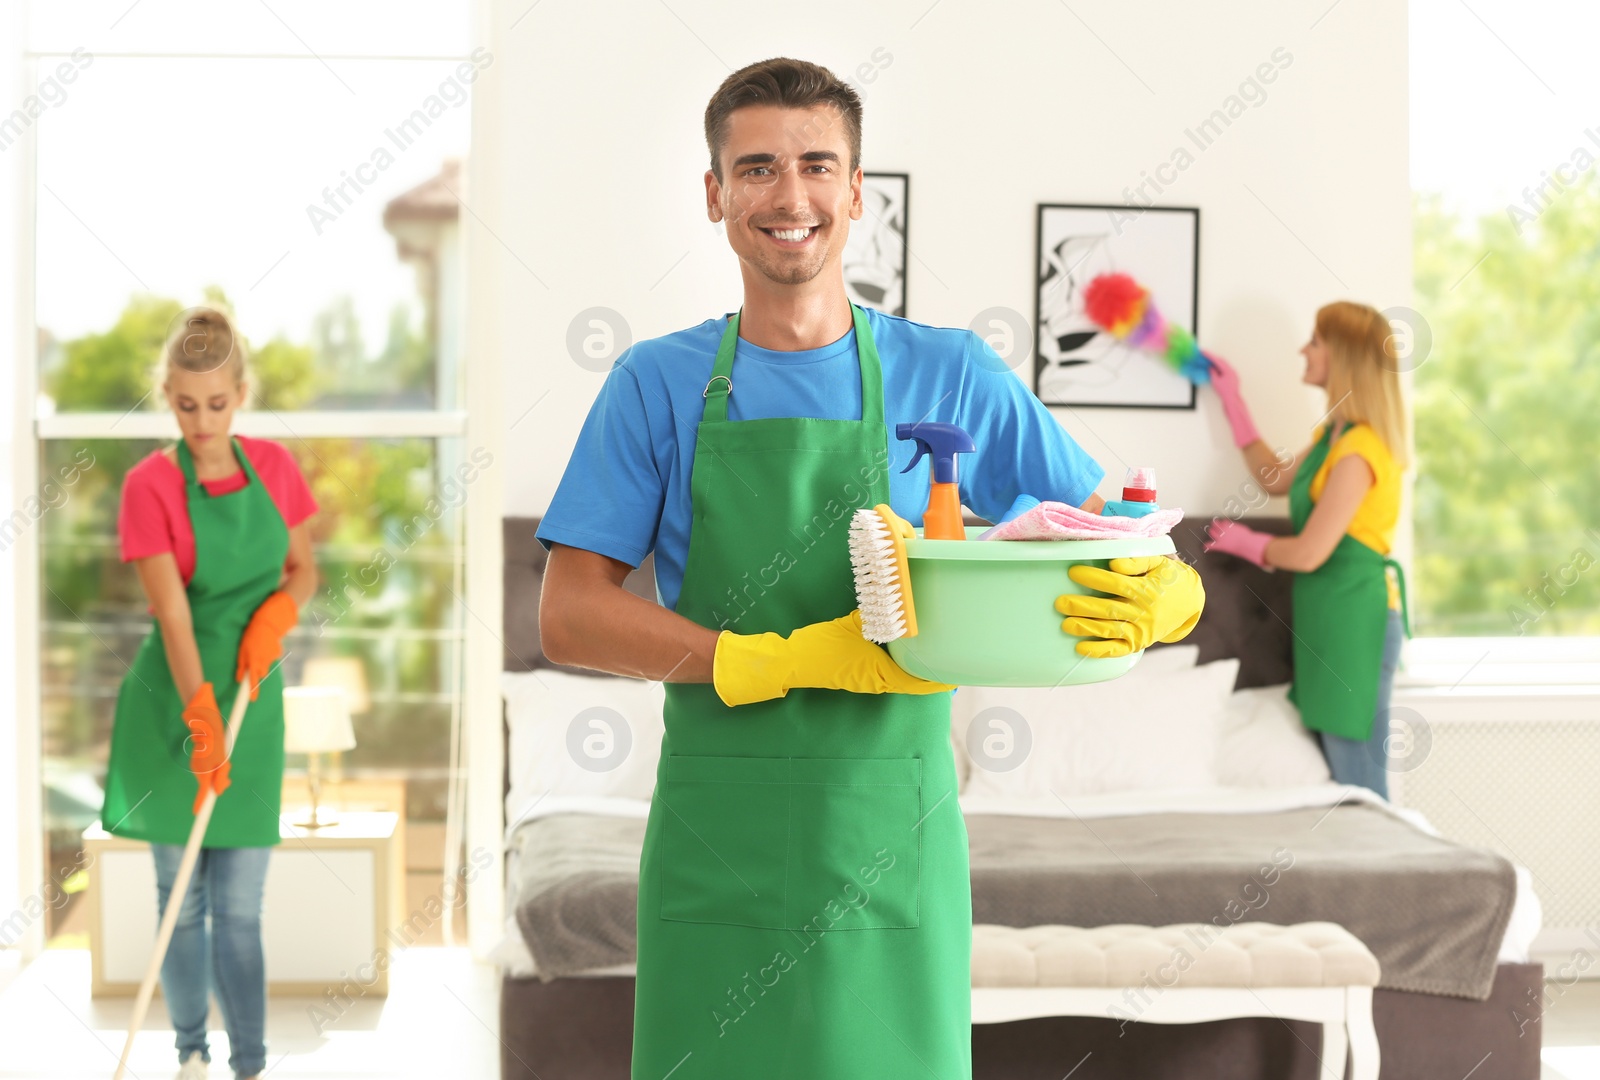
{"type": "Point", "coordinates": [854, 846]}
{"type": "Point", "coordinates": [723, 835]}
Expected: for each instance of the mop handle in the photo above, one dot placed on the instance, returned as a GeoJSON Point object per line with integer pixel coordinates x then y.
{"type": "Point", "coordinates": [180, 888]}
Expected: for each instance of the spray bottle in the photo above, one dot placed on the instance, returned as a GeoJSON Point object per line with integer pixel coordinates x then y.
{"type": "Point", "coordinates": [942, 442]}
{"type": "Point", "coordinates": [1138, 495]}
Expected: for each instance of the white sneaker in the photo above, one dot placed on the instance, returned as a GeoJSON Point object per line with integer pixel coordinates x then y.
{"type": "Point", "coordinates": [194, 1067]}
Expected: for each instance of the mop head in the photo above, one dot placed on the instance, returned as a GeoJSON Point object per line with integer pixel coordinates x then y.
{"type": "Point", "coordinates": [1122, 307]}
{"type": "Point", "coordinates": [883, 576]}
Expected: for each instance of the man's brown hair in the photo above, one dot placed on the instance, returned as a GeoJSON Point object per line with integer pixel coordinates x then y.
{"type": "Point", "coordinates": [791, 84]}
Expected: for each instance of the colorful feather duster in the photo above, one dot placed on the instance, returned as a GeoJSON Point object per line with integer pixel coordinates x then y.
{"type": "Point", "coordinates": [1123, 308]}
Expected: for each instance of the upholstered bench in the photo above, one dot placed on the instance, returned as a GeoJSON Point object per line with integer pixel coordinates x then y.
{"type": "Point", "coordinates": [1185, 973]}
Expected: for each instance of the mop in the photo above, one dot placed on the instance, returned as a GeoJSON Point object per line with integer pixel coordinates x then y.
{"type": "Point", "coordinates": [180, 888]}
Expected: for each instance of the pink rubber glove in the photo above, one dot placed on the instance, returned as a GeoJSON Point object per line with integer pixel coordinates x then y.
{"type": "Point", "coordinates": [1231, 538]}
{"type": "Point", "coordinates": [1226, 381]}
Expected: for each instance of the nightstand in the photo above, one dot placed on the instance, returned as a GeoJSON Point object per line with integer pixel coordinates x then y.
{"type": "Point", "coordinates": [332, 907]}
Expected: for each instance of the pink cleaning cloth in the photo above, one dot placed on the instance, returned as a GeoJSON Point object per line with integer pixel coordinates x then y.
{"type": "Point", "coordinates": [1058, 521]}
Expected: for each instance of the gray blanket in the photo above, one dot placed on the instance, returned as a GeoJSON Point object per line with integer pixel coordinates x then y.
{"type": "Point", "coordinates": [576, 889]}
{"type": "Point", "coordinates": [1433, 912]}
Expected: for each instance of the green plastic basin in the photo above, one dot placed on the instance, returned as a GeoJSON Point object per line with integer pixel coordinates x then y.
{"type": "Point", "coordinates": [986, 611]}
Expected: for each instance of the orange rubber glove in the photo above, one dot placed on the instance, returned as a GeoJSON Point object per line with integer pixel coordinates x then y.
{"type": "Point", "coordinates": [262, 643]}
{"type": "Point", "coordinates": [208, 749]}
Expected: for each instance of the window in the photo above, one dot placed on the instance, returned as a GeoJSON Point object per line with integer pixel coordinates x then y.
{"type": "Point", "coordinates": [301, 165]}
{"type": "Point", "coordinates": [1507, 393]}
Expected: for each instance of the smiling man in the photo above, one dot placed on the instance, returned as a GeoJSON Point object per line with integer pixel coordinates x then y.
{"type": "Point", "coordinates": [804, 900]}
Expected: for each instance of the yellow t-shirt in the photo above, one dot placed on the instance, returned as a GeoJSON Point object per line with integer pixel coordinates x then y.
{"type": "Point", "coordinates": [1379, 512]}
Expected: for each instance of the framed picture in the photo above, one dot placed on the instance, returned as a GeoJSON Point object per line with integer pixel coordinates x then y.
{"type": "Point", "coordinates": [875, 255]}
{"type": "Point", "coordinates": [1077, 363]}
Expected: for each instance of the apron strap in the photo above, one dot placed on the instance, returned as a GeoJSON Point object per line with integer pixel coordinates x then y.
{"type": "Point", "coordinates": [186, 464]}
{"type": "Point", "coordinates": [1300, 501]}
{"type": "Point", "coordinates": [720, 386]}
{"type": "Point", "coordinates": [871, 369]}
{"type": "Point", "coordinates": [1405, 603]}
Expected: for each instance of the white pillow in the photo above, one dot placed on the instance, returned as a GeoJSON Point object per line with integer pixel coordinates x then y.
{"type": "Point", "coordinates": [1166, 659]}
{"type": "Point", "coordinates": [580, 735]}
{"type": "Point", "coordinates": [1152, 662]}
{"type": "Point", "coordinates": [1156, 732]}
{"type": "Point", "coordinates": [1264, 744]}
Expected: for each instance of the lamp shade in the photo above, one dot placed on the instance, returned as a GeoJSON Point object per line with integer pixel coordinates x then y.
{"type": "Point", "coordinates": [344, 671]}
{"type": "Point", "coordinates": [315, 719]}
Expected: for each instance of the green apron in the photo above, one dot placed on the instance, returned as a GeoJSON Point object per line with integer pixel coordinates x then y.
{"type": "Point", "coordinates": [1341, 613]}
{"type": "Point", "coordinates": [805, 904]}
{"type": "Point", "coordinates": [240, 543]}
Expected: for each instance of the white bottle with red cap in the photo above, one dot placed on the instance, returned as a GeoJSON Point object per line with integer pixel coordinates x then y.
{"type": "Point", "coordinates": [1138, 495]}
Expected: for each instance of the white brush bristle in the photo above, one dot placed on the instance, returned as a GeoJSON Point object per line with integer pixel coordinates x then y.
{"type": "Point", "coordinates": [877, 578]}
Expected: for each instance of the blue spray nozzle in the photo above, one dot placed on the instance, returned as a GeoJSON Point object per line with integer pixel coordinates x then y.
{"type": "Point", "coordinates": [942, 442]}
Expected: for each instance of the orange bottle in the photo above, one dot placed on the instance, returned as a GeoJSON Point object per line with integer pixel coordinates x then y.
{"type": "Point", "coordinates": [941, 442]}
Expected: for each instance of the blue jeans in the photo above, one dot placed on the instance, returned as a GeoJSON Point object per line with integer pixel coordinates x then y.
{"type": "Point", "coordinates": [227, 883]}
{"type": "Point", "coordinates": [1365, 762]}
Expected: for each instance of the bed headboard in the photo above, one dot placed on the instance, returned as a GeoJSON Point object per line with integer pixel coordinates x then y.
{"type": "Point", "coordinates": [1247, 609]}
{"type": "Point", "coordinates": [524, 575]}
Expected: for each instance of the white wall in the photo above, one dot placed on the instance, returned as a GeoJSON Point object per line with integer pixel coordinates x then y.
{"type": "Point", "coordinates": [13, 175]}
{"type": "Point", "coordinates": [991, 108]}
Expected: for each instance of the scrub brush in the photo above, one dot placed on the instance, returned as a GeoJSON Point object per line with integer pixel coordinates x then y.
{"type": "Point", "coordinates": [883, 577]}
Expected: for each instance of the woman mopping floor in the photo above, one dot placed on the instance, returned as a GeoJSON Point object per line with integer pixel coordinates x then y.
{"type": "Point", "coordinates": [216, 526]}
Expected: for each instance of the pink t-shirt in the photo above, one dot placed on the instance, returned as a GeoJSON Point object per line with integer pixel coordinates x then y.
{"type": "Point", "coordinates": [154, 515]}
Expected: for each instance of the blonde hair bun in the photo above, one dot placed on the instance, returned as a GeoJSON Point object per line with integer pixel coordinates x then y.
{"type": "Point", "coordinates": [203, 339]}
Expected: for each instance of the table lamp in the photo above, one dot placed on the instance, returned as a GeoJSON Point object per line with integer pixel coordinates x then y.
{"type": "Point", "coordinates": [349, 672]}
{"type": "Point", "coordinates": [316, 719]}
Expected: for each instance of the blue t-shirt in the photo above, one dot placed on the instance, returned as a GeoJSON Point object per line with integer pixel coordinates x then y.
{"type": "Point", "coordinates": [626, 491]}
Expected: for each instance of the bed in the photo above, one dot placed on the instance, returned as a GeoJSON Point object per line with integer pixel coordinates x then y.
{"type": "Point", "coordinates": [1203, 802]}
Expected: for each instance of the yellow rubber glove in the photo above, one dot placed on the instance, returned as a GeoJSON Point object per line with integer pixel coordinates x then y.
{"type": "Point", "coordinates": [826, 655]}
{"type": "Point", "coordinates": [1154, 599]}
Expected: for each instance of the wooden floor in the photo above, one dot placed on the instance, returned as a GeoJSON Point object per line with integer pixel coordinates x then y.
{"type": "Point", "coordinates": [441, 1019]}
